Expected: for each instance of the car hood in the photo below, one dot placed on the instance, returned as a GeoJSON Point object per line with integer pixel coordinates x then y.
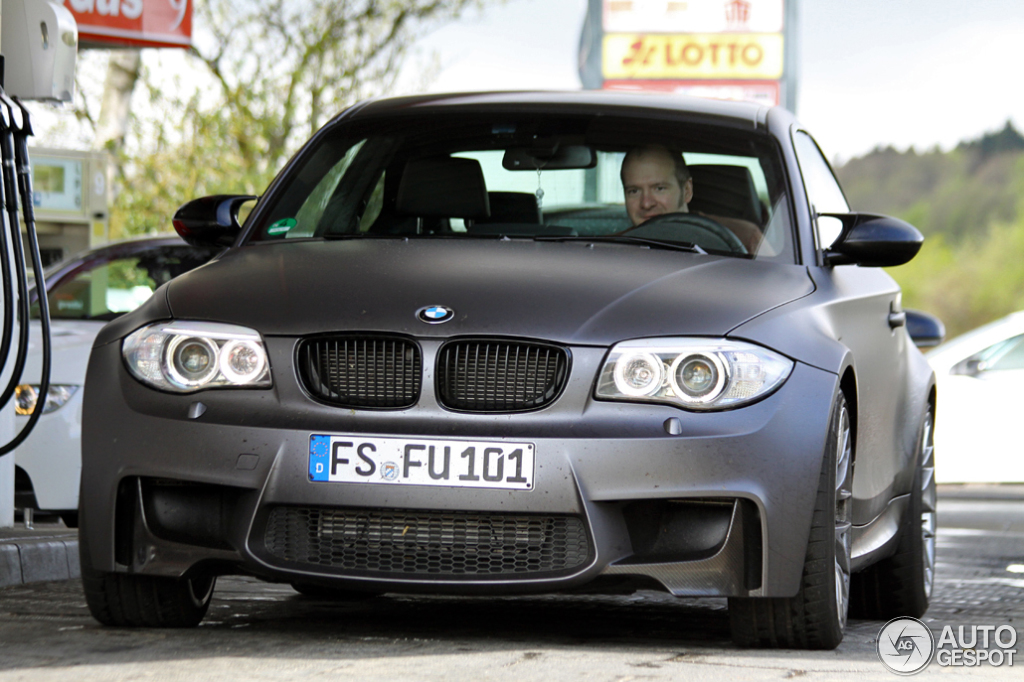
{"type": "Point", "coordinates": [570, 292]}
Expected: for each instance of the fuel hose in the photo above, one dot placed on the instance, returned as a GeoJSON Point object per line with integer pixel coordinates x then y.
{"type": "Point", "coordinates": [17, 180]}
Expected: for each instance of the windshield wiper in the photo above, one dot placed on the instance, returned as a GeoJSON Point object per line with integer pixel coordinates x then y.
{"type": "Point", "coordinates": [626, 239]}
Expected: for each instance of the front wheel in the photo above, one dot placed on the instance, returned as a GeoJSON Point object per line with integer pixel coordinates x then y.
{"type": "Point", "coordinates": [120, 599]}
{"type": "Point", "coordinates": [815, 618]}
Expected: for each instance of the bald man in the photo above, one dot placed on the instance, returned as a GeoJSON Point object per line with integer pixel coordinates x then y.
{"type": "Point", "coordinates": [656, 181]}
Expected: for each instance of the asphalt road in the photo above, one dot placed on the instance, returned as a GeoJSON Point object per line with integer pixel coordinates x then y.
{"type": "Point", "coordinates": [258, 632]}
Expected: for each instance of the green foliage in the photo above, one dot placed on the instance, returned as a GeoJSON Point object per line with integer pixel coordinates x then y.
{"type": "Point", "coordinates": [969, 203]}
{"type": "Point", "coordinates": [958, 193]}
{"type": "Point", "coordinates": [271, 75]}
{"type": "Point", "coordinates": [125, 273]}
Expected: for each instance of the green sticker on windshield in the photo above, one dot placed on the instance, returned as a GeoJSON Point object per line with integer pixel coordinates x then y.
{"type": "Point", "coordinates": [282, 226]}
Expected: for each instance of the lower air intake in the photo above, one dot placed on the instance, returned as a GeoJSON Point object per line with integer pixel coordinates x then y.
{"type": "Point", "coordinates": [444, 545]}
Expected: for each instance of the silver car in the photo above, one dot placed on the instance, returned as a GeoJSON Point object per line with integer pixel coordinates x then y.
{"type": "Point", "coordinates": [521, 343]}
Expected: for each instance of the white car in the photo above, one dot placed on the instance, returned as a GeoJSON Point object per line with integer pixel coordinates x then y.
{"type": "Point", "coordinates": [85, 292]}
{"type": "Point", "coordinates": [977, 437]}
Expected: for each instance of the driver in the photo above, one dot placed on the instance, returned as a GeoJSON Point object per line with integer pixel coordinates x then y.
{"type": "Point", "coordinates": [656, 181]}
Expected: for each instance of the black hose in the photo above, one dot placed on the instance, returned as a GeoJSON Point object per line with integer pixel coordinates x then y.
{"type": "Point", "coordinates": [11, 197]}
{"type": "Point", "coordinates": [17, 141]}
{"type": "Point", "coordinates": [5, 262]}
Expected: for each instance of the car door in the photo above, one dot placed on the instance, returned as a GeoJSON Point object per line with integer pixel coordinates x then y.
{"type": "Point", "coordinates": [864, 305]}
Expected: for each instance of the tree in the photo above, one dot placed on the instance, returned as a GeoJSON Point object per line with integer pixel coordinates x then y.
{"type": "Point", "coordinates": [264, 75]}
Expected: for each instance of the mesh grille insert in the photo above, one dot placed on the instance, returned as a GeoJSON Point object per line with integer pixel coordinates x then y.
{"type": "Point", "coordinates": [427, 543]}
{"type": "Point", "coordinates": [487, 375]}
{"type": "Point", "coordinates": [361, 371]}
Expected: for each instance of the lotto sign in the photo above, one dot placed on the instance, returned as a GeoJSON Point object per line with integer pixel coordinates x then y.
{"type": "Point", "coordinates": [711, 56]}
{"type": "Point", "coordinates": [136, 23]}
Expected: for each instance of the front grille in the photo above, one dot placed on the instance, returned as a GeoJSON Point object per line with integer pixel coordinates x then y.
{"type": "Point", "coordinates": [487, 375]}
{"type": "Point", "coordinates": [410, 543]}
{"type": "Point", "coordinates": [361, 371]}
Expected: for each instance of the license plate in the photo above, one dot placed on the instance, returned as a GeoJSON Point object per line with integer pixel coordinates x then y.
{"type": "Point", "coordinates": [421, 461]}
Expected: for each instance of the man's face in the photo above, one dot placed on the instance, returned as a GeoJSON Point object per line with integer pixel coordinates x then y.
{"type": "Point", "coordinates": [651, 187]}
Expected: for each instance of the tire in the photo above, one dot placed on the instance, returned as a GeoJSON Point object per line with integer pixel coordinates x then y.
{"type": "Point", "coordinates": [119, 599]}
{"type": "Point", "coordinates": [315, 591]}
{"type": "Point", "coordinates": [814, 618]}
{"type": "Point", "coordinates": [901, 585]}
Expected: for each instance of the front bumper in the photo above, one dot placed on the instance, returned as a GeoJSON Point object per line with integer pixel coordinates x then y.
{"type": "Point", "coordinates": [720, 508]}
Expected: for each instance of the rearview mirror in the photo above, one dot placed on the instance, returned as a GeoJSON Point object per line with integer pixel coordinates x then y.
{"type": "Point", "coordinates": [549, 155]}
{"type": "Point", "coordinates": [873, 241]}
{"type": "Point", "coordinates": [210, 221]}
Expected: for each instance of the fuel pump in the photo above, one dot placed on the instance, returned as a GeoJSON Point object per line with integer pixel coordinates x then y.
{"type": "Point", "coordinates": [40, 42]}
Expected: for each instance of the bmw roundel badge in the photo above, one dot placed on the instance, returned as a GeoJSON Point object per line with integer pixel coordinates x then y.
{"type": "Point", "coordinates": [435, 314]}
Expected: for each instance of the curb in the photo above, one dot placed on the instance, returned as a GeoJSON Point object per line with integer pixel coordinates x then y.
{"type": "Point", "coordinates": [31, 558]}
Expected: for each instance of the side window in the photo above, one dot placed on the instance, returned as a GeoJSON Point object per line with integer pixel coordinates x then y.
{"type": "Point", "coordinates": [102, 292]}
{"type": "Point", "coordinates": [105, 289]}
{"type": "Point", "coordinates": [823, 190]}
{"type": "Point", "coordinates": [308, 217]}
{"type": "Point", "coordinates": [374, 205]}
{"type": "Point", "coordinates": [1005, 355]}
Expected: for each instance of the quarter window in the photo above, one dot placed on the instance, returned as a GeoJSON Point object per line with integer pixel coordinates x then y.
{"type": "Point", "coordinates": [823, 190]}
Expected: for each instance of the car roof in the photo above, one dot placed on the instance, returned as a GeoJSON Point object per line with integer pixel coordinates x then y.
{"type": "Point", "coordinates": [741, 114]}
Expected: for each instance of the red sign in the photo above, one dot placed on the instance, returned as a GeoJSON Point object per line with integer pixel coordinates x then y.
{"type": "Point", "coordinates": [765, 92]}
{"type": "Point", "coordinates": [133, 23]}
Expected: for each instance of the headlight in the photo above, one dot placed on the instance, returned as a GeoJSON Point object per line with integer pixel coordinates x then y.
{"type": "Point", "coordinates": [26, 396]}
{"type": "Point", "coordinates": [190, 356]}
{"type": "Point", "coordinates": [699, 374]}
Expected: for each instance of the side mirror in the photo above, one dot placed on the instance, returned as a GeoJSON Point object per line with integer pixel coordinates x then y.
{"type": "Point", "coordinates": [926, 331]}
{"type": "Point", "coordinates": [873, 241]}
{"type": "Point", "coordinates": [210, 221]}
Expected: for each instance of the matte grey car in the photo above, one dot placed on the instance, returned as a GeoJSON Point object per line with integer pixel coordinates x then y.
{"type": "Point", "coordinates": [440, 357]}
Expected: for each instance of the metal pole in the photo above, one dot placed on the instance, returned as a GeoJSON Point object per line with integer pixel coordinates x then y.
{"type": "Point", "coordinates": [791, 58]}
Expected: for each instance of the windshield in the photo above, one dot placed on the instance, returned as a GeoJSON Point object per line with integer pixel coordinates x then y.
{"type": "Point", "coordinates": [651, 182]}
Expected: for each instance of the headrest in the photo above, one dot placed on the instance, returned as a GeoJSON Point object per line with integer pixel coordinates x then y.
{"type": "Point", "coordinates": [513, 207]}
{"type": "Point", "coordinates": [443, 187]}
{"type": "Point", "coordinates": [727, 191]}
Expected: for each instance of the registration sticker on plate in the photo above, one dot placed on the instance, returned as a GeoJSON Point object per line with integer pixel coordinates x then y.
{"type": "Point", "coordinates": [421, 461]}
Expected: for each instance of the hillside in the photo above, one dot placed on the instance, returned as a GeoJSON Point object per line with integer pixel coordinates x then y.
{"type": "Point", "coordinates": [969, 203]}
{"type": "Point", "coordinates": [958, 193]}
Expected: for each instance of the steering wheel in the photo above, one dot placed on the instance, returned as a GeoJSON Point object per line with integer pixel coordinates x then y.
{"type": "Point", "coordinates": [677, 226]}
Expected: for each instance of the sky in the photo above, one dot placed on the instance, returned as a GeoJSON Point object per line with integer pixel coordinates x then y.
{"type": "Point", "coordinates": [872, 73]}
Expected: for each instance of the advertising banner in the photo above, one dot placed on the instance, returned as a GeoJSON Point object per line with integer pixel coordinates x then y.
{"type": "Point", "coordinates": [692, 16]}
{"type": "Point", "coordinates": [701, 56]}
{"type": "Point", "coordinates": [133, 23]}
